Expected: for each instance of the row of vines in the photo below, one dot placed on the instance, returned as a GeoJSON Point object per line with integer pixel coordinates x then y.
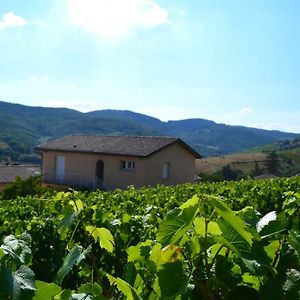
{"type": "Point", "coordinates": [228, 240]}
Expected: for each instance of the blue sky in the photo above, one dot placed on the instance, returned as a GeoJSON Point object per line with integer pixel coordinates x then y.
{"type": "Point", "coordinates": [235, 62]}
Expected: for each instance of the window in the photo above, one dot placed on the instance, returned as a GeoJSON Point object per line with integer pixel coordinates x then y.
{"type": "Point", "coordinates": [127, 165]}
{"type": "Point", "coordinates": [166, 170]}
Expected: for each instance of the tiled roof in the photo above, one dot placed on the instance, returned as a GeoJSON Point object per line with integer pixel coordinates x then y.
{"type": "Point", "coordinates": [114, 145]}
{"type": "Point", "coordinates": [8, 173]}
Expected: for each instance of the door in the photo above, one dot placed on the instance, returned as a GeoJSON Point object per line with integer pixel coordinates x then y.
{"type": "Point", "coordinates": [60, 169]}
{"type": "Point", "coordinates": [100, 170]}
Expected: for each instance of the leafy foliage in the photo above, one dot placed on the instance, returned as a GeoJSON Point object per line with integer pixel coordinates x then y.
{"type": "Point", "coordinates": [226, 240]}
{"type": "Point", "coordinates": [23, 187]}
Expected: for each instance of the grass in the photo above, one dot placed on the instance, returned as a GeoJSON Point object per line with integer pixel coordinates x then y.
{"type": "Point", "coordinates": [246, 162]}
{"type": "Point", "coordinates": [242, 161]}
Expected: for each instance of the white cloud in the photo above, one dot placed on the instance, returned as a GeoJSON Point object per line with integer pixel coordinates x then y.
{"type": "Point", "coordinates": [246, 111]}
{"type": "Point", "coordinates": [11, 20]}
{"type": "Point", "coordinates": [116, 18]}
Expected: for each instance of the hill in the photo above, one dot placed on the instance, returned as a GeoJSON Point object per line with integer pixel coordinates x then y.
{"type": "Point", "coordinates": [255, 161]}
{"type": "Point", "coordinates": [23, 127]}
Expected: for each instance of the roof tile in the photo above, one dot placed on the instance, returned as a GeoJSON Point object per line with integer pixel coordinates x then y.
{"type": "Point", "coordinates": [113, 145]}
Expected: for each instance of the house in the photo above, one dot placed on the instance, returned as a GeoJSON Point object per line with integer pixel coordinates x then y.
{"type": "Point", "coordinates": [9, 172]}
{"type": "Point", "coordinates": [111, 162]}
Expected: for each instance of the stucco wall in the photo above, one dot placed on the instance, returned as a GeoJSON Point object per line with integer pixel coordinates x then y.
{"type": "Point", "coordinates": [80, 168]}
{"type": "Point", "coordinates": [181, 166]}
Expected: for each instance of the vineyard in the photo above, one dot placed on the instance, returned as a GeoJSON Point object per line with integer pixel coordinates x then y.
{"type": "Point", "coordinates": [228, 240]}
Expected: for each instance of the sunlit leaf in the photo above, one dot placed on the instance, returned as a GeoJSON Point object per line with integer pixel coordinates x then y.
{"type": "Point", "coordinates": [103, 236]}
{"type": "Point", "coordinates": [235, 222]}
{"type": "Point", "coordinates": [265, 220]}
{"type": "Point", "coordinates": [124, 287]}
{"type": "Point", "coordinates": [45, 290]}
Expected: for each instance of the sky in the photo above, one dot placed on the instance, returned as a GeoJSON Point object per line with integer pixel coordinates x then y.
{"type": "Point", "coordinates": [234, 62]}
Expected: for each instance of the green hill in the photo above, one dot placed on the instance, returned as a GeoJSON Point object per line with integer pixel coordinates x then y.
{"type": "Point", "coordinates": [23, 127]}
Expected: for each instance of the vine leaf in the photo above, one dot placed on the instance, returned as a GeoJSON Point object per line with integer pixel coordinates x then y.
{"type": "Point", "coordinates": [103, 236]}
{"type": "Point", "coordinates": [67, 218]}
{"type": "Point", "coordinates": [75, 256]}
{"type": "Point", "coordinates": [178, 222]}
{"type": "Point", "coordinates": [294, 240]}
{"type": "Point", "coordinates": [17, 248]}
{"type": "Point", "coordinates": [124, 287]}
{"type": "Point", "coordinates": [265, 220]}
{"type": "Point", "coordinates": [235, 222]}
{"type": "Point", "coordinates": [172, 280]}
{"type": "Point", "coordinates": [45, 290]}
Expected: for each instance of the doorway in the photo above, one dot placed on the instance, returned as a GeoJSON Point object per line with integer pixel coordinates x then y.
{"type": "Point", "coordinates": [60, 169]}
{"type": "Point", "coordinates": [100, 170]}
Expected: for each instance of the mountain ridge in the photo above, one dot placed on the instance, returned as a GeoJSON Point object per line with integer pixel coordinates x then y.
{"type": "Point", "coordinates": [23, 127]}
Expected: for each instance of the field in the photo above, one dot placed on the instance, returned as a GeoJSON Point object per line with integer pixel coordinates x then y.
{"type": "Point", "coordinates": [228, 240]}
{"type": "Point", "coordinates": [243, 161]}
{"type": "Point", "coordinates": [247, 162]}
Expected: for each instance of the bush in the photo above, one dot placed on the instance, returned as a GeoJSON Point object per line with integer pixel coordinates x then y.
{"type": "Point", "coordinates": [20, 187]}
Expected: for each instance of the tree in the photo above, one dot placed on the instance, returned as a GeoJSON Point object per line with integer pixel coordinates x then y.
{"type": "Point", "coordinates": [257, 170]}
{"type": "Point", "coordinates": [272, 162]}
{"type": "Point", "coordinates": [230, 174]}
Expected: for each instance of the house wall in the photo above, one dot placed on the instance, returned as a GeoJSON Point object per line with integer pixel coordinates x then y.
{"type": "Point", "coordinates": [181, 166]}
{"type": "Point", "coordinates": [80, 168]}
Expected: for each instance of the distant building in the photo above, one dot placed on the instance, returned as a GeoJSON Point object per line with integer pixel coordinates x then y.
{"type": "Point", "coordinates": [8, 173]}
{"type": "Point", "coordinates": [111, 162]}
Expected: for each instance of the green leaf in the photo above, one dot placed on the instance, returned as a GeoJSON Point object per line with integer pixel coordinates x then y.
{"type": "Point", "coordinates": [235, 222]}
{"type": "Point", "coordinates": [224, 242]}
{"type": "Point", "coordinates": [134, 253]}
{"type": "Point", "coordinates": [265, 220]}
{"type": "Point", "coordinates": [6, 283]}
{"type": "Point", "coordinates": [139, 252]}
{"type": "Point", "coordinates": [232, 239]}
{"type": "Point", "coordinates": [91, 289]}
{"type": "Point", "coordinates": [294, 240]}
{"type": "Point", "coordinates": [67, 218]}
{"type": "Point", "coordinates": [24, 278]}
{"type": "Point", "coordinates": [2, 254]}
{"type": "Point", "coordinates": [24, 283]}
{"type": "Point", "coordinates": [189, 209]}
{"type": "Point", "coordinates": [172, 280]}
{"type": "Point", "coordinates": [45, 290]}
{"type": "Point", "coordinates": [124, 287]}
{"type": "Point", "coordinates": [77, 205]}
{"type": "Point", "coordinates": [103, 236]}
{"type": "Point", "coordinates": [272, 248]}
{"type": "Point", "coordinates": [18, 249]}
{"type": "Point", "coordinates": [63, 295]}
{"type": "Point", "coordinates": [177, 222]}
{"type": "Point", "coordinates": [212, 227]}
{"type": "Point", "coordinates": [75, 256]}
{"type": "Point", "coordinates": [273, 226]}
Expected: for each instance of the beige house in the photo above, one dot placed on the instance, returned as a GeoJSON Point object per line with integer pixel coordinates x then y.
{"type": "Point", "coordinates": [111, 162]}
